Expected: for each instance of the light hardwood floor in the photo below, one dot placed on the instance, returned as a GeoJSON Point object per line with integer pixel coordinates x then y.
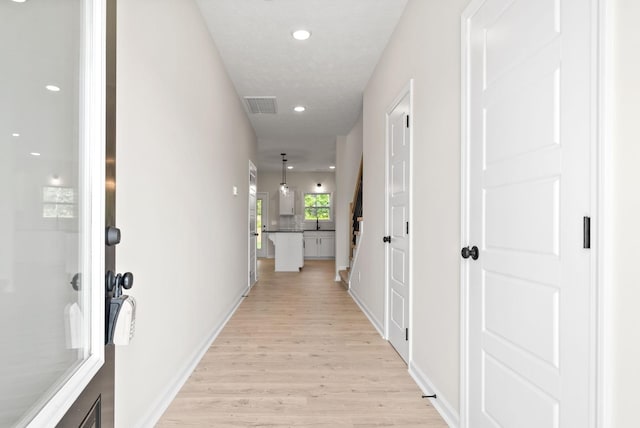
{"type": "Point", "coordinates": [298, 352]}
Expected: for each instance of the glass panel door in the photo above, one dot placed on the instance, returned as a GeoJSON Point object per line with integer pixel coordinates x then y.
{"type": "Point", "coordinates": [51, 209]}
{"type": "Point", "coordinates": [262, 209]}
{"type": "Point", "coordinates": [253, 235]}
{"type": "Point", "coordinates": [259, 223]}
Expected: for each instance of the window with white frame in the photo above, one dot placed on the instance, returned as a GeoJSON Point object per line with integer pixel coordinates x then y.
{"type": "Point", "coordinates": [317, 206]}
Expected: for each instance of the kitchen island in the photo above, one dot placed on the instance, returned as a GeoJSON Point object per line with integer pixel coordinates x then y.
{"type": "Point", "coordinates": [289, 249]}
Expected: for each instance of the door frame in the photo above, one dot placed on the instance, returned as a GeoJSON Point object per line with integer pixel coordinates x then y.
{"type": "Point", "coordinates": [265, 221]}
{"type": "Point", "coordinates": [407, 89]}
{"type": "Point", "coordinates": [252, 170]}
{"type": "Point", "coordinates": [601, 182]}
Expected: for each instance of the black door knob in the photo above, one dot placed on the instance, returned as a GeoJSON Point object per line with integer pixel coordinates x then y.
{"type": "Point", "coordinates": [127, 280]}
{"type": "Point", "coordinates": [76, 281]}
{"type": "Point", "coordinates": [116, 282]}
{"type": "Point", "coordinates": [474, 253]}
{"type": "Point", "coordinates": [386, 239]}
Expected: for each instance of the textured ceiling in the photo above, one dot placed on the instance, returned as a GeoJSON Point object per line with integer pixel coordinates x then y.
{"type": "Point", "coordinates": [326, 73]}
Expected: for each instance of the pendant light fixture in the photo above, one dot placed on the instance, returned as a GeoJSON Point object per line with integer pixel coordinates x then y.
{"type": "Point", "coordinates": [284, 189]}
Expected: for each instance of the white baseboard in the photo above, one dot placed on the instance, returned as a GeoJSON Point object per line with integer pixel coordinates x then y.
{"type": "Point", "coordinates": [166, 397]}
{"type": "Point", "coordinates": [367, 312]}
{"type": "Point", "coordinates": [448, 413]}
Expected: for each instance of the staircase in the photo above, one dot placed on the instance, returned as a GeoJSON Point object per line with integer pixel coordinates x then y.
{"type": "Point", "coordinates": [355, 219]}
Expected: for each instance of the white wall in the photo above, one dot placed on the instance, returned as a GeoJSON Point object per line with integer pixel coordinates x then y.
{"type": "Point", "coordinates": [622, 335]}
{"type": "Point", "coordinates": [183, 141]}
{"type": "Point", "coordinates": [348, 155]}
{"type": "Point", "coordinates": [425, 47]}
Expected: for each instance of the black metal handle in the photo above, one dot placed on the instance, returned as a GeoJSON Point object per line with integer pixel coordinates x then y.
{"type": "Point", "coordinates": [256, 234]}
{"type": "Point", "coordinates": [386, 239]}
{"type": "Point", "coordinates": [474, 253]}
{"type": "Point", "coordinates": [127, 280]}
{"type": "Point", "coordinates": [116, 282]}
{"type": "Point", "coordinates": [586, 232]}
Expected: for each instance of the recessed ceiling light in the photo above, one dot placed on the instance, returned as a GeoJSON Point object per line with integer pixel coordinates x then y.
{"type": "Point", "coordinates": [301, 34]}
{"type": "Point", "coordinates": [290, 167]}
{"type": "Point", "coordinates": [34, 154]}
{"type": "Point", "coordinates": [299, 109]}
{"type": "Point", "coordinates": [15, 134]}
{"type": "Point", "coordinates": [19, 1]}
{"type": "Point", "coordinates": [52, 88]}
{"type": "Point", "coordinates": [332, 167]}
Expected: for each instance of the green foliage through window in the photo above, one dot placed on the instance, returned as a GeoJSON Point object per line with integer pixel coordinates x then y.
{"type": "Point", "coordinates": [317, 206]}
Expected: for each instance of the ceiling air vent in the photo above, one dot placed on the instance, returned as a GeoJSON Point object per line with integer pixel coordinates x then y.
{"type": "Point", "coordinates": [261, 105]}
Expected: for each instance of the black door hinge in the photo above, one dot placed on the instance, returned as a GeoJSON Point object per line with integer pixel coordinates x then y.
{"type": "Point", "coordinates": [407, 121]}
{"type": "Point", "coordinates": [586, 232]}
{"type": "Point", "coordinates": [406, 333]}
{"type": "Point", "coordinates": [407, 228]}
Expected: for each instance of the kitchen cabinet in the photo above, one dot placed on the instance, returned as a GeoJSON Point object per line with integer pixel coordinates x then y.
{"type": "Point", "coordinates": [287, 203]}
{"type": "Point", "coordinates": [289, 253]}
{"type": "Point", "coordinates": [319, 244]}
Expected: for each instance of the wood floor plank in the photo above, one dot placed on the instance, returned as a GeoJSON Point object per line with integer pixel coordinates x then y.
{"type": "Point", "coordinates": [299, 353]}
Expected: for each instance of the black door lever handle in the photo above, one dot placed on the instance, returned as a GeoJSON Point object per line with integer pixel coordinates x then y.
{"type": "Point", "coordinates": [474, 253]}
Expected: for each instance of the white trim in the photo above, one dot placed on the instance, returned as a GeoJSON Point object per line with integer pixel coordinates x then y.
{"type": "Point", "coordinates": [406, 90]}
{"type": "Point", "coordinates": [166, 397]}
{"type": "Point", "coordinates": [471, 10]}
{"type": "Point", "coordinates": [446, 410]}
{"type": "Point", "coordinates": [604, 211]}
{"type": "Point", "coordinates": [92, 144]}
{"type": "Point", "coordinates": [376, 324]}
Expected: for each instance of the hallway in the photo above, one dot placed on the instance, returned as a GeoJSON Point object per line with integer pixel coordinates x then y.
{"type": "Point", "coordinates": [299, 352]}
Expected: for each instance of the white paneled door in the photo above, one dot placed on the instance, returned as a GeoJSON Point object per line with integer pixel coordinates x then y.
{"type": "Point", "coordinates": [528, 145]}
{"type": "Point", "coordinates": [398, 200]}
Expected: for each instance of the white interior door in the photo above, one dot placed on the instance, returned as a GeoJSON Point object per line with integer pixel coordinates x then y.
{"type": "Point", "coordinates": [253, 233]}
{"type": "Point", "coordinates": [530, 320]}
{"type": "Point", "coordinates": [398, 199]}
